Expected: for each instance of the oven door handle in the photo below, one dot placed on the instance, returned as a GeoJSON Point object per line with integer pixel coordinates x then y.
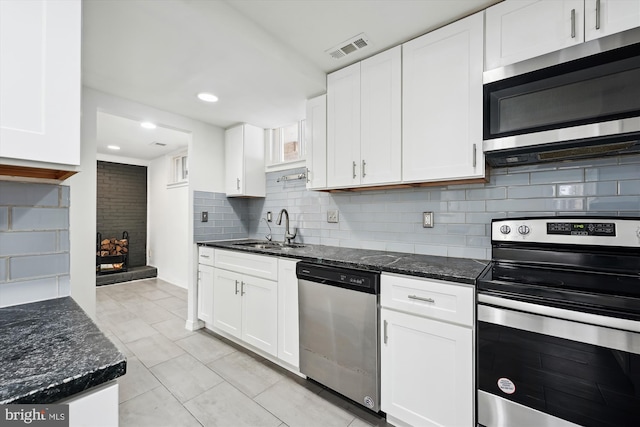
{"type": "Point", "coordinates": [560, 328]}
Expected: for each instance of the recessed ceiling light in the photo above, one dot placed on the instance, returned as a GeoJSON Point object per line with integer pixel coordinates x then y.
{"type": "Point", "coordinates": [207, 97]}
{"type": "Point", "coordinates": [113, 147]}
{"type": "Point", "coordinates": [148, 125]}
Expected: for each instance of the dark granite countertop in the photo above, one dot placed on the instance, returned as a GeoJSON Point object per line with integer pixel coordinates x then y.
{"type": "Point", "coordinates": [461, 270]}
{"type": "Point", "coordinates": [50, 350]}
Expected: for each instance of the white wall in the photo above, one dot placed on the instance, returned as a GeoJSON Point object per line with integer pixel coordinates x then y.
{"type": "Point", "coordinates": [82, 213]}
{"type": "Point", "coordinates": [206, 173]}
{"type": "Point", "coordinates": [168, 234]}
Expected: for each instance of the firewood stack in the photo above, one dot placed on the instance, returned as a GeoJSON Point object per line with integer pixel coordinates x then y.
{"type": "Point", "coordinates": [113, 246]}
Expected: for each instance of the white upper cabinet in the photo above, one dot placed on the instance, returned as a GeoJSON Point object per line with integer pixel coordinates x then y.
{"type": "Point", "coordinates": [343, 126]}
{"type": "Point", "coordinates": [40, 81]}
{"type": "Point", "coordinates": [364, 122]}
{"type": "Point", "coordinates": [604, 17]}
{"type": "Point", "coordinates": [442, 103]}
{"type": "Point", "coordinates": [517, 30]}
{"type": "Point", "coordinates": [244, 161]}
{"type": "Point", "coordinates": [316, 142]}
{"type": "Point", "coordinates": [381, 119]}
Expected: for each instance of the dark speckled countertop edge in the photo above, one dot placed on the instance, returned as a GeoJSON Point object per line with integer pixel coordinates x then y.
{"type": "Point", "coordinates": [458, 270]}
{"type": "Point", "coordinates": [34, 376]}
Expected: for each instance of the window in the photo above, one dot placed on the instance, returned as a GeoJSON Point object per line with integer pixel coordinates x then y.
{"type": "Point", "coordinates": [179, 168]}
{"type": "Point", "coordinates": [285, 144]}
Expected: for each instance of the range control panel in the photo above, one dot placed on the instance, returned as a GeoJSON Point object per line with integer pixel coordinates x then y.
{"type": "Point", "coordinates": [598, 231]}
{"type": "Point", "coordinates": [582, 228]}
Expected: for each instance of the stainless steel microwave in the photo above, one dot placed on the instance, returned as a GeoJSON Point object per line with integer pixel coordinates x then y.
{"type": "Point", "coordinates": [575, 103]}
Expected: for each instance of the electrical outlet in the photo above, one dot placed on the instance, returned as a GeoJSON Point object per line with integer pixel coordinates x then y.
{"type": "Point", "coordinates": [204, 217]}
{"type": "Point", "coordinates": [427, 219]}
{"type": "Point", "coordinates": [332, 216]}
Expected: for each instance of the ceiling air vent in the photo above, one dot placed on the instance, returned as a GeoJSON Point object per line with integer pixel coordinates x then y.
{"type": "Point", "coordinates": [158, 144]}
{"type": "Point", "coordinates": [349, 46]}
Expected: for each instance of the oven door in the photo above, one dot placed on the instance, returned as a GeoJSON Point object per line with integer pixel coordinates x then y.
{"type": "Point", "coordinates": [536, 370]}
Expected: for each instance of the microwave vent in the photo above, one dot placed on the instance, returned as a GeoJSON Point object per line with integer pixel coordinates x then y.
{"type": "Point", "coordinates": [347, 47]}
{"type": "Point", "coordinates": [589, 151]}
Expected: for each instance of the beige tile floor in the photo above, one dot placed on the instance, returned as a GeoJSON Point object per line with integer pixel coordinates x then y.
{"type": "Point", "coordinates": [180, 378]}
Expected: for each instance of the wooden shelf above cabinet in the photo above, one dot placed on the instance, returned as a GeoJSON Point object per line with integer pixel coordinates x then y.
{"type": "Point", "coordinates": [25, 173]}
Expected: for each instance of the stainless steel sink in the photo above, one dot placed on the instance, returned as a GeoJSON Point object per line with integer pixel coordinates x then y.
{"type": "Point", "coordinates": [269, 245]}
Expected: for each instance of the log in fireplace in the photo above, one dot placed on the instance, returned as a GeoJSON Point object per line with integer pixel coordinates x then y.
{"type": "Point", "coordinates": [112, 254]}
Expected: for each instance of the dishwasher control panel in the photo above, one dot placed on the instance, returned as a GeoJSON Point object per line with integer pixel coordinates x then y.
{"type": "Point", "coordinates": [359, 280]}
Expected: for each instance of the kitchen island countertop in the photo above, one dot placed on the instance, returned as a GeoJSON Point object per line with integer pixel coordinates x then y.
{"type": "Point", "coordinates": [461, 270]}
{"type": "Point", "coordinates": [51, 350]}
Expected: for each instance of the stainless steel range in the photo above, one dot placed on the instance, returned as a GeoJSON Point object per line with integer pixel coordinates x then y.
{"type": "Point", "coordinates": [559, 323]}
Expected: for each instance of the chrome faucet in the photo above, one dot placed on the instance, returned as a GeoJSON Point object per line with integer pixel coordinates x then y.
{"type": "Point", "coordinates": [287, 235]}
{"type": "Point", "coordinates": [268, 236]}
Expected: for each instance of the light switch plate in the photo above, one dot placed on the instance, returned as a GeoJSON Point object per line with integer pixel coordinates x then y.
{"type": "Point", "coordinates": [332, 216]}
{"type": "Point", "coordinates": [427, 219]}
{"type": "Point", "coordinates": [269, 216]}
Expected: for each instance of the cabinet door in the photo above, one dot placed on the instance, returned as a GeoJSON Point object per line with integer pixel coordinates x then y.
{"type": "Point", "coordinates": [343, 127]}
{"type": "Point", "coordinates": [233, 161]}
{"type": "Point", "coordinates": [288, 339]}
{"type": "Point", "coordinates": [381, 124]}
{"type": "Point", "coordinates": [40, 80]}
{"type": "Point", "coordinates": [205, 293]}
{"type": "Point", "coordinates": [427, 371]}
{"type": "Point", "coordinates": [442, 103]}
{"type": "Point", "coordinates": [227, 302]}
{"type": "Point", "coordinates": [519, 30]}
{"type": "Point", "coordinates": [316, 142]}
{"type": "Point", "coordinates": [253, 159]}
{"type": "Point", "coordinates": [260, 313]}
{"type": "Point", "coordinates": [604, 17]}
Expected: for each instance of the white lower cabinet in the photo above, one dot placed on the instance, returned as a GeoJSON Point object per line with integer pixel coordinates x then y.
{"type": "Point", "coordinates": [205, 284]}
{"type": "Point", "coordinates": [426, 363]}
{"type": "Point", "coordinates": [205, 293]}
{"type": "Point", "coordinates": [246, 307]}
{"type": "Point", "coordinates": [95, 407]}
{"type": "Point", "coordinates": [288, 338]}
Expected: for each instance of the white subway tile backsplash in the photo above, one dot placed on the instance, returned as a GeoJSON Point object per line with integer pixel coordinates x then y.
{"type": "Point", "coordinates": [28, 243]}
{"type": "Point", "coordinates": [36, 218]}
{"type": "Point", "coordinates": [557, 176]}
{"type": "Point", "coordinates": [384, 219]}
{"type": "Point", "coordinates": [34, 242]}
{"type": "Point", "coordinates": [4, 218]}
{"type": "Point", "coordinates": [531, 191]}
{"type": "Point", "coordinates": [22, 292]}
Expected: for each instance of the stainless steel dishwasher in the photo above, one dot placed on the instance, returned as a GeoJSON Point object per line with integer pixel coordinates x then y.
{"type": "Point", "coordinates": [339, 330]}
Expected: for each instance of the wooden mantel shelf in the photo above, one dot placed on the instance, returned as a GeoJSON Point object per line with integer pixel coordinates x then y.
{"type": "Point", "coordinates": [16, 173]}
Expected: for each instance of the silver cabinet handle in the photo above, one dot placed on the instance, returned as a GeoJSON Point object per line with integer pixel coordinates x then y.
{"type": "Point", "coordinates": [204, 256]}
{"type": "Point", "coordinates": [573, 23]}
{"type": "Point", "coordinates": [242, 292]}
{"type": "Point", "coordinates": [308, 176]}
{"type": "Point", "coordinates": [421, 299]}
{"type": "Point", "coordinates": [475, 154]}
{"type": "Point", "coordinates": [363, 166]}
{"type": "Point", "coordinates": [354, 170]}
{"type": "Point", "coordinates": [386, 337]}
{"type": "Point", "coordinates": [236, 287]}
{"type": "Point", "coordinates": [237, 183]}
{"type": "Point", "coordinates": [597, 14]}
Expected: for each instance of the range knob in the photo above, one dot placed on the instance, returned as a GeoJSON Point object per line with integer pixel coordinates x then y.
{"type": "Point", "coordinates": [505, 229]}
{"type": "Point", "coordinates": [523, 229]}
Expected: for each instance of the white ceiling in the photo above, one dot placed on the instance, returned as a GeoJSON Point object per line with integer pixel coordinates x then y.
{"type": "Point", "coordinates": [135, 141]}
{"type": "Point", "coordinates": [262, 58]}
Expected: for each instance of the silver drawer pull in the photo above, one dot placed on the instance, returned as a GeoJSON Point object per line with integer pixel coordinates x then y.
{"type": "Point", "coordinates": [421, 299]}
{"type": "Point", "coordinates": [204, 256]}
{"type": "Point", "coordinates": [386, 336]}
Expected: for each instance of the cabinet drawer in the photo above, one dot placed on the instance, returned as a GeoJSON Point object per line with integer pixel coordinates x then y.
{"type": "Point", "coordinates": [430, 298]}
{"type": "Point", "coordinates": [254, 265]}
{"type": "Point", "coordinates": [205, 255]}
